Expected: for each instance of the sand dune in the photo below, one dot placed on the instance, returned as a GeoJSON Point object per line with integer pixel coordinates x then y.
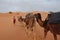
{"type": "Point", "coordinates": [9, 31]}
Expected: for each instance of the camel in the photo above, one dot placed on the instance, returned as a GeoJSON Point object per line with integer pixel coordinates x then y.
{"type": "Point", "coordinates": [20, 19]}
{"type": "Point", "coordinates": [29, 20]}
{"type": "Point", "coordinates": [54, 28]}
{"type": "Point", "coordinates": [30, 24]}
{"type": "Point", "coordinates": [42, 23]}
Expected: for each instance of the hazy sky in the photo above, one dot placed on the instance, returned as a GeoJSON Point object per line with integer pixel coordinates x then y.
{"type": "Point", "coordinates": [29, 5]}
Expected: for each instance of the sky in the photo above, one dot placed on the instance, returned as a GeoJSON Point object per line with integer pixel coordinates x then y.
{"type": "Point", "coordinates": [29, 5]}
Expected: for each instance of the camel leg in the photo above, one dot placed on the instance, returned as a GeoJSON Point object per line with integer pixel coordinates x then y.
{"type": "Point", "coordinates": [45, 33]}
{"type": "Point", "coordinates": [27, 33]}
{"type": "Point", "coordinates": [26, 29]}
{"type": "Point", "coordinates": [34, 33]}
{"type": "Point", "coordinates": [55, 36]}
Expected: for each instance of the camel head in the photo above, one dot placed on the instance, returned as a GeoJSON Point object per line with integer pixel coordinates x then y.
{"type": "Point", "coordinates": [20, 19]}
{"type": "Point", "coordinates": [38, 16]}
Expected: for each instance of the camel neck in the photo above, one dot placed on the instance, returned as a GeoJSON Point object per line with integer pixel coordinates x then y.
{"type": "Point", "coordinates": [40, 22]}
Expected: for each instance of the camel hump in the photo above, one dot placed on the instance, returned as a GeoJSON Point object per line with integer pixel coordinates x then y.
{"type": "Point", "coordinates": [29, 15]}
{"type": "Point", "coordinates": [54, 17]}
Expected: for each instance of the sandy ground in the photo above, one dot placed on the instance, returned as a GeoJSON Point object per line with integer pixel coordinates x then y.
{"type": "Point", "coordinates": [10, 31]}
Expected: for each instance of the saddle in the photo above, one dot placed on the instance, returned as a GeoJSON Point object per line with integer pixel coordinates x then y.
{"type": "Point", "coordinates": [54, 17]}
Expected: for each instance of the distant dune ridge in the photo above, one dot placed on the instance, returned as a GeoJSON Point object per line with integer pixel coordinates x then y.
{"type": "Point", "coordinates": [9, 31]}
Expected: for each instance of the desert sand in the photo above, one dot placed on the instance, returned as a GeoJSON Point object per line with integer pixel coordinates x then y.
{"type": "Point", "coordinates": [10, 31]}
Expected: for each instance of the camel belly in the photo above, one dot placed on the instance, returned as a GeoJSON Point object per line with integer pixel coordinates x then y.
{"type": "Point", "coordinates": [55, 28]}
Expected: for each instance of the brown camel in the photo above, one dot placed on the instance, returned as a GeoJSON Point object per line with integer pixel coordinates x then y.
{"type": "Point", "coordinates": [29, 20]}
{"type": "Point", "coordinates": [30, 24]}
{"type": "Point", "coordinates": [42, 23]}
{"type": "Point", "coordinates": [54, 28]}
